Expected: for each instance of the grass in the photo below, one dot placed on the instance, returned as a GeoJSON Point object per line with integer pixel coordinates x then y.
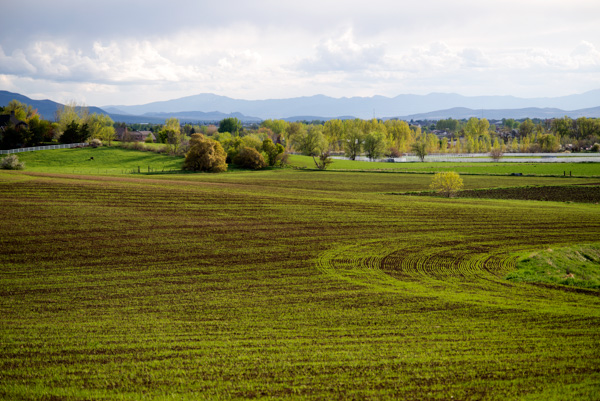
{"type": "Point", "coordinates": [574, 266]}
{"type": "Point", "coordinates": [286, 284]}
{"type": "Point", "coordinates": [116, 160]}
{"type": "Point", "coordinates": [554, 169]}
{"type": "Point", "coordinates": [102, 160]}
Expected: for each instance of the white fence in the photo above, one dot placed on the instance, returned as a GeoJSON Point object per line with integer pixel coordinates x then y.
{"type": "Point", "coordinates": [64, 146]}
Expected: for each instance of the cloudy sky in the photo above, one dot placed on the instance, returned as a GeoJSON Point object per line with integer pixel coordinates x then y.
{"type": "Point", "coordinates": [108, 52]}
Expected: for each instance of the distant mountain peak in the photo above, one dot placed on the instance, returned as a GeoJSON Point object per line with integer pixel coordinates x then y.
{"type": "Point", "coordinates": [321, 105]}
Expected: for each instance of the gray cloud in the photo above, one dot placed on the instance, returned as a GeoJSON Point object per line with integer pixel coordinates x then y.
{"type": "Point", "coordinates": [264, 49]}
{"type": "Point", "coordinates": [343, 54]}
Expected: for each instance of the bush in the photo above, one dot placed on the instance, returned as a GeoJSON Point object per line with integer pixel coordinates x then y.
{"type": "Point", "coordinates": [595, 147]}
{"type": "Point", "coordinates": [94, 143]}
{"type": "Point", "coordinates": [11, 162]}
{"type": "Point", "coordinates": [496, 153]}
{"type": "Point", "coordinates": [393, 152]}
{"type": "Point", "coordinates": [282, 159]}
{"type": "Point", "coordinates": [249, 158]}
{"type": "Point", "coordinates": [447, 183]}
{"type": "Point", "coordinates": [274, 153]}
{"type": "Point", "coordinates": [135, 146]}
{"type": "Point", "coordinates": [205, 154]}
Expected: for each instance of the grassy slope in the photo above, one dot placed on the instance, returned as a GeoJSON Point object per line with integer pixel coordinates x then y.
{"type": "Point", "coordinates": [287, 284]}
{"type": "Point", "coordinates": [106, 160]}
{"type": "Point", "coordinates": [577, 266]}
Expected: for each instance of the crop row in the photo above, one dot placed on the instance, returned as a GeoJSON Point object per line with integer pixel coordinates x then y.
{"type": "Point", "coordinates": [205, 287]}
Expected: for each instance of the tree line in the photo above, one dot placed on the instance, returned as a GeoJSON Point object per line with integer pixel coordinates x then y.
{"type": "Point", "coordinates": [73, 124]}
{"type": "Point", "coordinates": [267, 144]}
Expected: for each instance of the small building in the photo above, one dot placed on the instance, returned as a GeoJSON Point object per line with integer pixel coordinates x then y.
{"type": "Point", "coordinates": [124, 135]}
{"type": "Point", "coordinates": [10, 119]}
{"type": "Point", "coordinates": [141, 136]}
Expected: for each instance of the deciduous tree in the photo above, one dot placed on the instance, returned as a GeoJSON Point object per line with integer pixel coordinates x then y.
{"type": "Point", "coordinates": [353, 141]}
{"type": "Point", "coordinates": [312, 142]}
{"type": "Point", "coordinates": [374, 145]}
{"type": "Point", "coordinates": [23, 112]}
{"type": "Point", "coordinates": [526, 128]}
{"type": "Point", "coordinates": [101, 127]}
{"type": "Point", "coordinates": [273, 151]}
{"type": "Point", "coordinates": [420, 149]}
{"type": "Point", "coordinates": [231, 124]}
{"type": "Point", "coordinates": [171, 134]}
{"type": "Point", "coordinates": [249, 158]}
{"type": "Point", "coordinates": [447, 183]}
{"type": "Point", "coordinates": [205, 154]}
{"type": "Point", "coordinates": [71, 112]}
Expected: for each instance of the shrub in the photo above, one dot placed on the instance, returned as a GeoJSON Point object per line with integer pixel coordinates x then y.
{"type": "Point", "coordinates": [205, 154]}
{"type": "Point", "coordinates": [136, 146]}
{"type": "Point", "coordinates": [94, 143]}
{"type": "Point", "coordinates": [324, 161]}
{"type": "Point", "coordinates": [184, 147]}
{"type": "Point", "coordinates": [496, 153]}
{"type": "Point", "coordinates": [447, 183]}
{"type": "Point", "coordinates": [282, 159]}
{"type": "Point", "coordinates": [274, 152]}
{"type": "Point", "coordinates": [11, 162]}
{"type": "Point", "coordinates": [249, 158]}
{"type": "Point", "coordinates": [252, 141]}
{"type": "Point", "coordinates": [160, 149]}
{"type": "Point", "coordinates": [393, 152]}
{"type": "Point", "coordinates": [596, 147]}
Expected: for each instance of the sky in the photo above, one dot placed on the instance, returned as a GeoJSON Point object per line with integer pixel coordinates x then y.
{"type": "Point", "coordinates": [126, 52]}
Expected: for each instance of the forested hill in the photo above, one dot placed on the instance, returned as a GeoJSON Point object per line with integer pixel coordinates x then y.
{"type": "Point", "coordinates": [46, 108]}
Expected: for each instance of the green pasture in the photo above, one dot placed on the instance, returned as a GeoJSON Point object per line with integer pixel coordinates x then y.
{"type": "Point", "coordinates": [116, 160]}
{"type": "Point", "coordinates": [526, 168]}
{"type": "Point", "coordinates": [102, 160]}
{"type": "Point", "coordinates": [287, 284]}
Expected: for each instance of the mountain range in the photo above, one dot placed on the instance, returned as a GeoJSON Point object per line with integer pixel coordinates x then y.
{"type": "Point", "coordinates": [460, 113]}
{"type": "Point", "coordinates": [324, 107]}
{"type": "Point", "coordinates": [434, 106]}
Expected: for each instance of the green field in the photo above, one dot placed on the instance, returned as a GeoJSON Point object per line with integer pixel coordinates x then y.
{"type": "Point", "coordinates": [286, 284]}
{"type": "Point", "coordinates": [526, 168]}
{"type": "Point", "coordinates": [116, 160]}
{"type": "Point", "coordinates": [577, 266]}
{"type": "Point", "coordinates": [102, 160]}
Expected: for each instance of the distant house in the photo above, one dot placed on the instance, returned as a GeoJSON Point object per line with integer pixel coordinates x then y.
{"type": "Point", "coordinates": [441, 133]}
{"type": "Point", "coordinates": [120, 133]}
{"type": "Point", "coordinates": [123, 134]}
{"type": "Point", "coordinates": [8, 120]}
{"type": "Point", "coordinates": [140, 136]}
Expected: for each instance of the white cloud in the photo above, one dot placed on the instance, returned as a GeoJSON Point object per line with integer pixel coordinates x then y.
{"type": "Point", "coordinates": [266, 49]}
{"type": "Point", "coordinates": [16, 63]}
{"type": "Point", "coordinates": [586, 56]}
{"type": "Point", "coordinates": [343, 54]}
{"type": "Point", "coordinates": [124, 62]}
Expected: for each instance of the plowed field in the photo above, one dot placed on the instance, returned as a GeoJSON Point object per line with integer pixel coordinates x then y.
{"type": "Point", "coordinates": [299, 285]}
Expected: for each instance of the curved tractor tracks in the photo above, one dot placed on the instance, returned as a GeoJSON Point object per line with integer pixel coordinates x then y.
{"type": "Point", "coordinates": [461, 270]}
